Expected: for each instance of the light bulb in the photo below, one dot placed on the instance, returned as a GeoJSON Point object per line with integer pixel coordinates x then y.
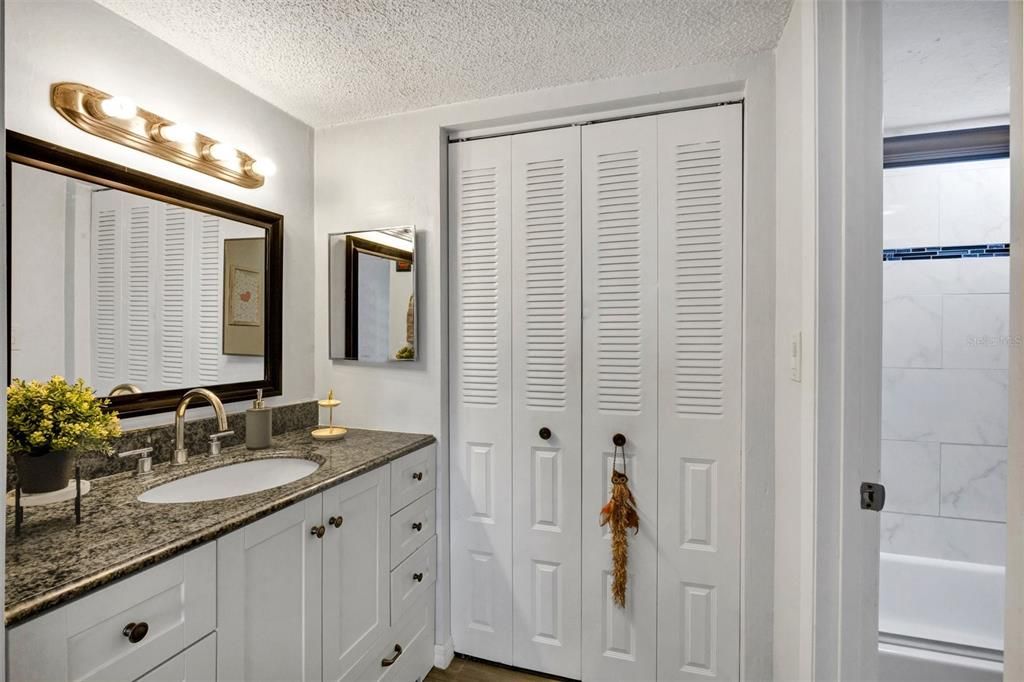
{"type": "Point", "coordinates": [221, 151]}
{"type": "Point", "coordinates": [118, 106]}
{"type": "Point", "coordinates": [264, 167]}
{"type": "Point", "coordinates": [176, 132]}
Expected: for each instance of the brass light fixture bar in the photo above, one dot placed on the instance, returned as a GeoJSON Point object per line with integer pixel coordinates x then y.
{"type": "Point", "coordinates": [118, 120]}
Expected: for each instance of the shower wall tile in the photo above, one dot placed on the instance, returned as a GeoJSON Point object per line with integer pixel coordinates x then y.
{"type": "Point", "coordinates": [910, 210]}
{"type": "Point", "coordinates": [944, 538]}
{"type": "Point", "coordinates": [974, 482]}
{"type": "Point", "coordinates": [976, 331]}
{"type": "Point", "coordinates": [974, 202]}
{"type": "Point", "coordinates": [953, 276]}
{"type": "Point", "coordinates": [945, 405]}
{"type": "Point", "coordinates": [910, 471]}
{"type": "Point", "coordinates": [912, 331]}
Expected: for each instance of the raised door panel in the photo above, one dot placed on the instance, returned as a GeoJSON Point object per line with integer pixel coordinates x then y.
{"type": "Point", "coordinates": [545, 244]}
{"type": "Point", "coordinates": [481, 398]}
{"type": "Point", "coordinates": [700, 267]}
{"type": "Point", "coordinates": [272, 566]}
{"type": "Point", "coordinates": [620, 388]}
{"type": "Point", "coordinates": [355, 570]}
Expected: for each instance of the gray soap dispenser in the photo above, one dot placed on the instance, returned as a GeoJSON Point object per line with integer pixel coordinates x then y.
{"type": "Point", "coordinates": [258, 424]}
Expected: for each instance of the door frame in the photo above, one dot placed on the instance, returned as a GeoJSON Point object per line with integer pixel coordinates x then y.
{"type": "Point", "coordinates": [847, 337]}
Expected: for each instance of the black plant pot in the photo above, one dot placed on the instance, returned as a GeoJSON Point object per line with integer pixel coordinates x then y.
{"type": "Point", "coordinates": [45, 473]}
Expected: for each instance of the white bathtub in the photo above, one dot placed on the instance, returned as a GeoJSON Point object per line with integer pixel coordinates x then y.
{"type": "Point", "coordinates": [939, 620]}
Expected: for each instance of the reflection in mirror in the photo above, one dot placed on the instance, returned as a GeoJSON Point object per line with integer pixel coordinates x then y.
{"type": "Point", "coordinates": [372, 295]}
{"type": "Point", "coordinates": [130, 293]}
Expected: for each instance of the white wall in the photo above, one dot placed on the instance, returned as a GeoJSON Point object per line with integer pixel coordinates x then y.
{"type": "Point", "coordinates": [794, 315]}
{"type": "Point", "coordinates": [77, 40]}
{"type": "Point", "coordinates": [392, 171]}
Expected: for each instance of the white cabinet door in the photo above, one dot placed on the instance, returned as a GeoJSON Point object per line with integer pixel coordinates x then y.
{"type": "Point", "coordinates": [699, 426]}
{"type": "Point", "coordinates": [198, 663]}
{"type": "Point", "coordinates": [268, 597]}
{"type": "Point", "coordinates": [481, 399]}
{"type": "Point", "coordinates": [620, 388]}
{"type": "Point", "coordinates": [546, 396]}
{"type": "Point", "coordinates": [355, 569]}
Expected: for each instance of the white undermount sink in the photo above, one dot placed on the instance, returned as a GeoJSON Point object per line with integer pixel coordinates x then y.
{"type": "Point", "coordinates": [231, 480]}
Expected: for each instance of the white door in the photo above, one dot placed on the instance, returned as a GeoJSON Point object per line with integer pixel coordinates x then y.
{"type": "Point", "coordinates": [546, 400]}
{"type": "Point", "coordinates": [356, 570]}
{"type": "Point", "coordinates": [481, 399]}
{"type": "Point", "coordinates": [699, 428]}
{"type": "Point", "coordinates": [620, 388]}
{"type": "Point", "coordinates": [268, 597]}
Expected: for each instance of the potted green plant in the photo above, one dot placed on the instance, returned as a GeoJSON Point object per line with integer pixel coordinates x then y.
{"type": "Point", "coordinates": [48, 424]}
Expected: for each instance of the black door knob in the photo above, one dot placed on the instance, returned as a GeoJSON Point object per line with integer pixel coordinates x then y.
{"type": "Point", "coordinates": [418, 526]}
{"type": "Point", "coordinates": [618, 440]}
{"type": "Point", "coordinates": [418, 476]}
{"type": "Point", "coordinates": [545, 433]}
{"type": "Point", "coordinates": [135, 632]}
{"type": "Point", "coordinates": [418, 577]}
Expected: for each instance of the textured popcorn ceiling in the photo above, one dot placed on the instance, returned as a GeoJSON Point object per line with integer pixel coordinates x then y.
{"type": "Point", "coordinates": [334, 61]}
{"type": "Point", "coordinates": [945, 61]}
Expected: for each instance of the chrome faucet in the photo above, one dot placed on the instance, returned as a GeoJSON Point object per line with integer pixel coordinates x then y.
{"type": "Point", "coordinates": [180, 451]}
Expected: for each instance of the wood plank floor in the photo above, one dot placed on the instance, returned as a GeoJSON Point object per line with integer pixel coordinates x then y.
{"type": "Point", "coordinates": [463, 670]}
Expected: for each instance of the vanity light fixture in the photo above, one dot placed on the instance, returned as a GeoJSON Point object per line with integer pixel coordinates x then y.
{"type": "Point", "coordinates": [118, 119]}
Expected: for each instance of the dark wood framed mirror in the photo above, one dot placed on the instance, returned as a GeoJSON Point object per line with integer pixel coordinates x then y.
{"type": "Point", "coordinates": [143, 287]}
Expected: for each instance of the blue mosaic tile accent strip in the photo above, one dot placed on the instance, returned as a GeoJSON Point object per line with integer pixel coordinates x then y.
{"type": "Point", "coordinates": [943, 252]}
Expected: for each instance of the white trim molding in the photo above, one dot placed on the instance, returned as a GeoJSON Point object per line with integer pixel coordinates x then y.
{"type": "Point", "coordinates": [444, 654]}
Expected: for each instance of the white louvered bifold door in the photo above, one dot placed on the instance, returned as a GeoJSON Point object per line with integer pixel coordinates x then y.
{"type": "Point", "coordinates": [620, 387]}
{"type": "Point", "coordinates": [546, 395]}
{"type": "Point", "coordinates": [481, 398]}
{"type": "Point", "coordinates": [700, 278]}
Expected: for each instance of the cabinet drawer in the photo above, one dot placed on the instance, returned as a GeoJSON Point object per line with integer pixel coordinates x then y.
{"type": "Point", "coordinates": [415, 637]}
{"type": "Point", "coordinates": [85, 640]}
{"type": "Point", "coordinates": [198, 663]}
{"type": "Point", "coordinates": [411, 527]}
{"type": "Point", "coordinates": [413, 577]}
{"type": "Point", "coordinates": [412, 476]}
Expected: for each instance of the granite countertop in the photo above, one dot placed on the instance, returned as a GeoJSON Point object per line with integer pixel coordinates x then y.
{"type": "Point", "coordinates": [55, 561]}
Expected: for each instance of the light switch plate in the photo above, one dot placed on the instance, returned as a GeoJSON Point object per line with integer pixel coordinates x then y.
{"type": "Point", "coordinates": [795, 356]}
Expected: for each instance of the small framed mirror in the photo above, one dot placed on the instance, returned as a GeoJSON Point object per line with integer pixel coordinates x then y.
{"type": "Point", "coordinates": [372, 295]}
{"type": "Point", "coordinates": [142, 287]}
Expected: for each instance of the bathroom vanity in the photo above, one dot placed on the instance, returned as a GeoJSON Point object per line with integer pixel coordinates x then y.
{"type": "Point", "coordinates": [330, 577]}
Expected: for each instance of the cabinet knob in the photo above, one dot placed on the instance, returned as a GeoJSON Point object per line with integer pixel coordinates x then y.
{"type": "Point", "coordinates": [418, 476]}
{"type": "Point", "coordinates": [136, 632]}
{"type": "Point", "coordinates": [390, 660]}
{"type": "Point", "coordinates": [336, 521]}
{"type": "Point", "coordinates": [418, 577]}
{"type": "Point", "coordinates": [545, 433]}
{"type": "Point", "coordinates": [418, 526]}
{"type": "Point", "coordinates": [317, 531]}
{"type": "Point", "coordinates": [618, 440]}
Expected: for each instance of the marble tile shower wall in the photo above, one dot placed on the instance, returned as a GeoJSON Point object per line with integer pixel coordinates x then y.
{"type": "Point", "coordinates": [945, 356]}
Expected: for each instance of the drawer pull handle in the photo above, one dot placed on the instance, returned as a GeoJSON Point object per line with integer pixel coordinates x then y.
{"type": "Point", "coordinates": [336, 521]}
{"type": "Point", "coordinates": [417, 526]}
{"type": "Point", "coordinates": [385, 662]}
{"type": "Point", "coordinates": [418, 476]}
{"type": "Point", "coordinates": [317, 531]}
{"type": "Point", "coordinates": [418, 577]}
{"type": "Point", "coordinates": [135, 632]}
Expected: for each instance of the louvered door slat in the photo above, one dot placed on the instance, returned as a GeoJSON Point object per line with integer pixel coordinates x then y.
{"type": "Point", "coordinates": [620, 387]}
{"type": "Point", "coordinates": [546, 394]}
{"type": "Point", "coordinates": [106, 292]}
{"type": "Point", "coordinates": [139, 291]}
{"type": "Point", "coordinates": [208, 318]}
{"type": "Point", "coordinates": [699, 240]}
{"type": "Point", "coordinates": [173, 297]}
{"type": "Point", "coordinates": [481, 400]}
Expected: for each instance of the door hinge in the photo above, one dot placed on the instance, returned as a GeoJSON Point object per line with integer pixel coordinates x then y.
{"type": "Point", "coordinates": [872, 496]}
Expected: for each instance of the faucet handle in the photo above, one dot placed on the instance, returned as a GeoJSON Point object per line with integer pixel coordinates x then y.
{"type": "Point", "coordinates": [214, 447]}
{"type": "Point", "coordinates": [145, 463]}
